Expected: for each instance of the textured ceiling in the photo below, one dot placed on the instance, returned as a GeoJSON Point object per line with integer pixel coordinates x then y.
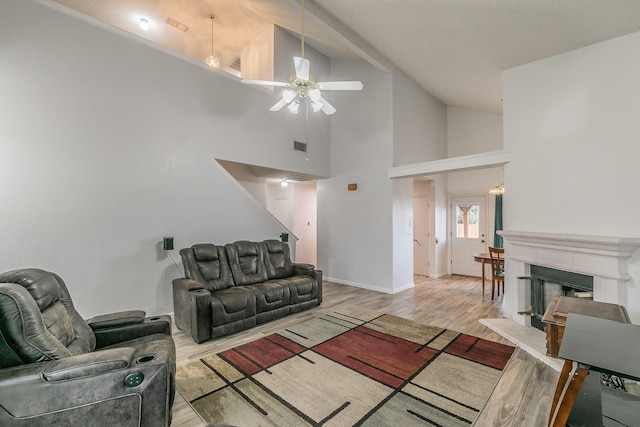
{"type": "Point", "coordinates": [455, 49]}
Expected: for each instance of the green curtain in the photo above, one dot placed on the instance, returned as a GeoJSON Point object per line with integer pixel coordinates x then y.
{"type": "Point", "coordinates": [497, 239]}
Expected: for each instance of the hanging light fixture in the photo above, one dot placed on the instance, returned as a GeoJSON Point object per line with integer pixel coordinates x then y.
{"type": "Point", "coordinates": [497, 189]}
{"type": "Point", "coordinates": [211, 60]}
{"type": "Point", "coordinates": [302, 85]}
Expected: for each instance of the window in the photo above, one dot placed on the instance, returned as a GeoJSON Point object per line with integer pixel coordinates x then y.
{"type": "Point", "coordinates": [467, 221]}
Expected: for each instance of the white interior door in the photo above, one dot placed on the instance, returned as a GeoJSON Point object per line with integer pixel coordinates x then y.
{"type": "Point", "coordinates": [421, 235]}
{"type": "Point", "coordinates": [467, 234]}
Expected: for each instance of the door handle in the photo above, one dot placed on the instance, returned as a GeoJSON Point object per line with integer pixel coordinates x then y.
{"type": "Point", "coordinates": [416, 240]}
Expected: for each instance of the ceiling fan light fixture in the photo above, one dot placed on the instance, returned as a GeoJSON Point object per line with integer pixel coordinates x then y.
{"type": "Point", "coordinates": [293, 107]}
{"type": "Point", "coordinates": [288, 96]}
{"type": "Point", "coordinates": [303, 85]}
{"type": "Point", "coordinates": [211, 60]}
{"type": "Point", "coordinates": [316, 106]}
{"type": "Point", "coordinates": [314, 95]}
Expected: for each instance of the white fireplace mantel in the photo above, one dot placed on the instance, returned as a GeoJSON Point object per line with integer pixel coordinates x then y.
{"type": "Point", "coordinates": [603, 257]}
{"type": "Point", "coordinates": [593, 255]}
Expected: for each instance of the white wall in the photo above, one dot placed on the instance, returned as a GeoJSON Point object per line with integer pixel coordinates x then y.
{"type": "Point", "coordinates": [107, 145]}
{"type": "Point", "coordinates": [571, 124]}
{"type": "Point", "coordinates": [419, 135]}
{"type": "Point", "coordinates": [419, 123]}
{"type": "Point", "coordinates": [366, 236]}
{"type": "Point", "coordinates": [255, 185]}
{"type": "Point", "coordinates": [472, 132]}
{"type": "Point", "coordinates": [355, 227]}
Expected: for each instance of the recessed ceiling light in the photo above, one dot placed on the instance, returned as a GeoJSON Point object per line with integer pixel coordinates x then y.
{"type": "Point", "coordinates": [144, 24]}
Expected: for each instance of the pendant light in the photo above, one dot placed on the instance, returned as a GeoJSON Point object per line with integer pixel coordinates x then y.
{"type": "Point", "coordinates": [211, 60]}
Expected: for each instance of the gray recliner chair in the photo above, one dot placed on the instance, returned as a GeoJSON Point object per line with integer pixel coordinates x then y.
{"type": "Point", "coordinates": [58, 369]}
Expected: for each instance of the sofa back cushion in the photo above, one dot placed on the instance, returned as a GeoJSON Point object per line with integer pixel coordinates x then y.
{"type": "Point", "coordinates": [38, 320]}
{"type": "Point", "coordinates": [278, 259]}
{"type": "Point", "coordinates": [207, 264]}
{"type": "Point", "coordinates": [247, 263]}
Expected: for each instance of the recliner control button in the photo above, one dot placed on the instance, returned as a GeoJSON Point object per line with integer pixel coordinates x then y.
{"type": "Point", "coordinates": [133, 379]}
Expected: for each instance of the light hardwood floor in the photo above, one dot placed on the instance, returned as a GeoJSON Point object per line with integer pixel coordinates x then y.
{"type": "Point", "coordinates": [521, 398]}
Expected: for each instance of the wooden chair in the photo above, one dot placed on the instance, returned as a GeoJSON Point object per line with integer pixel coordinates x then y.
{"type": "Point", "coordinates": [497, 270]}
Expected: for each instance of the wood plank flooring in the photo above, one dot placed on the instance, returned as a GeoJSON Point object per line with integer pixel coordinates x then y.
{"type": "Point", "coordinates": [521, 398]}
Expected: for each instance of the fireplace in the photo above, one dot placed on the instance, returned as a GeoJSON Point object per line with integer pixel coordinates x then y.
{"type": "Point", "coordinates": [544, 283]}
{"type": "Point", "coordinates": [602, 258]}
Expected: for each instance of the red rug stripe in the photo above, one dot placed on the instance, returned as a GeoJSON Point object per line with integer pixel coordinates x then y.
{"type": "Point", "coordinates": [361, 349]}
{"type": "Point", "coordinates": [486, 352]}
{"type": "Point", "coordinates": [256, 355]}
{"type": "Point", "coordinates": [294, 347]}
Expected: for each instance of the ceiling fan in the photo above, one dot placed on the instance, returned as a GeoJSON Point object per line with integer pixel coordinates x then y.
{"type": "Point", "coordinates": [303, 85]}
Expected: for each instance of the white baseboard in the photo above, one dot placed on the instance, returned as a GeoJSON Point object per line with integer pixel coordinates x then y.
{"type": "Point", "coordinates": [369, 287]}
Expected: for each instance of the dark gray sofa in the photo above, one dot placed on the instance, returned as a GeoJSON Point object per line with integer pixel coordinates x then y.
{"type": "Point", "coordinates": [239, 285]}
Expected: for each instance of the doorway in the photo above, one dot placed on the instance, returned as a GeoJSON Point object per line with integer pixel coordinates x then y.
{"type": "Point", "coordinates": [421, 235]}
{"type": "Point", "coordinates": [468, 233]}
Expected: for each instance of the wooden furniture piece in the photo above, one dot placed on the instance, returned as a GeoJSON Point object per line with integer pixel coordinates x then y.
{"type": "Point", "coordinates": [484, 258]}
{"type": "Point", "coordinates": [601, 345]}
{"type": "Point", "coordinates": [555, 317]}
{"type": "Point", "coordinates": [497, 270]}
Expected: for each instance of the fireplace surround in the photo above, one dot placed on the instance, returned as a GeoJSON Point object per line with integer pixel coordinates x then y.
{"type": "Point", "coordinates": [604, 258]}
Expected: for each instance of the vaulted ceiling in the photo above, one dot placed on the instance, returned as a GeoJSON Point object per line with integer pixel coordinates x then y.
{"type": "Point", "coordinates": [455, 49]}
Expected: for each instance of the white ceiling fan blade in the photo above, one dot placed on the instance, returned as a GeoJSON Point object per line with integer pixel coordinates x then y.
{"type": "Point", "coordinates": [349, 85]}
{"type": "Point", "coordinates": [302, 68]}
{"type": "Point", "coordinates": [278, 105]}
{"type": "Point", "coordinates": [263, 83]}
{"type": "Point", "coordinates": [327, 108]}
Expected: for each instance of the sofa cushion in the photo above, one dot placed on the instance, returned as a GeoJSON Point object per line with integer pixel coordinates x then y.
{"type": "Point", "coordinates": [302, 288]}
{"type": "Point", "coordinates": [246, 260]}
{"type": "Point", "coordinates": [278, 259]}
{"type": "Point", "coordinates": [271, 294]}
{"type": "Point", "coordinates": [207, 264]}
{"type": "Point", "coordinates": [232, 304]}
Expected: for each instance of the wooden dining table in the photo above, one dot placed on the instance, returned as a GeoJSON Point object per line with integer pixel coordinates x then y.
{"type": "Point", "coordinates": [484, 258]}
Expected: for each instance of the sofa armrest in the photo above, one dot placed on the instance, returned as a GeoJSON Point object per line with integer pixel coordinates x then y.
{"type": "Point", "coordinates": [304, 269]}
{"type": "Point", "coordinates": [88, 364]}
{"type": "Point", "coordinates": [120, 318]}
{"type": "Point", "coordinates": [181, 306]}
{"type": "Point", "coordinates": [114, 328]}
{"type": "Point", "coordinates": [200, 313]}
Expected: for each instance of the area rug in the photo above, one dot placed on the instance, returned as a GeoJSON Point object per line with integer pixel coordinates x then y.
{"type": "Point", "coordinates": [350, 367]}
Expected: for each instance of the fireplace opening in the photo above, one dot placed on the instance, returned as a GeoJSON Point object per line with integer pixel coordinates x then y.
{"type": "Point", "coordinates": [546, 283]}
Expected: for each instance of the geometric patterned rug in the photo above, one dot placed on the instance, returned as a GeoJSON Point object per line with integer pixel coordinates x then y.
{"type": "Point", "coordinates": [353, 367]}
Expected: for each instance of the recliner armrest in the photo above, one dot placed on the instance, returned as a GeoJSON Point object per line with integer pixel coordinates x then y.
{"type": "Point", "coordinates": [128, 327]}
{"type": "Point", "coordinates": [120, 318]}
{"type": "Point", "coordinates": [89, 364]}
{"type": "Point", "coordinates": [182, 290]}
{"type": "Point", "coordinates": [300, 266]}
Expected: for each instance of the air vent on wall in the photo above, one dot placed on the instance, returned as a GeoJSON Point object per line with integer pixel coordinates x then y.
{"type": "Point", "coordinates": [299, 146]}
{"type": "Point", "coordinates": [178, 25]}
{"type": "Point", "coordinates": [235, 65]}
